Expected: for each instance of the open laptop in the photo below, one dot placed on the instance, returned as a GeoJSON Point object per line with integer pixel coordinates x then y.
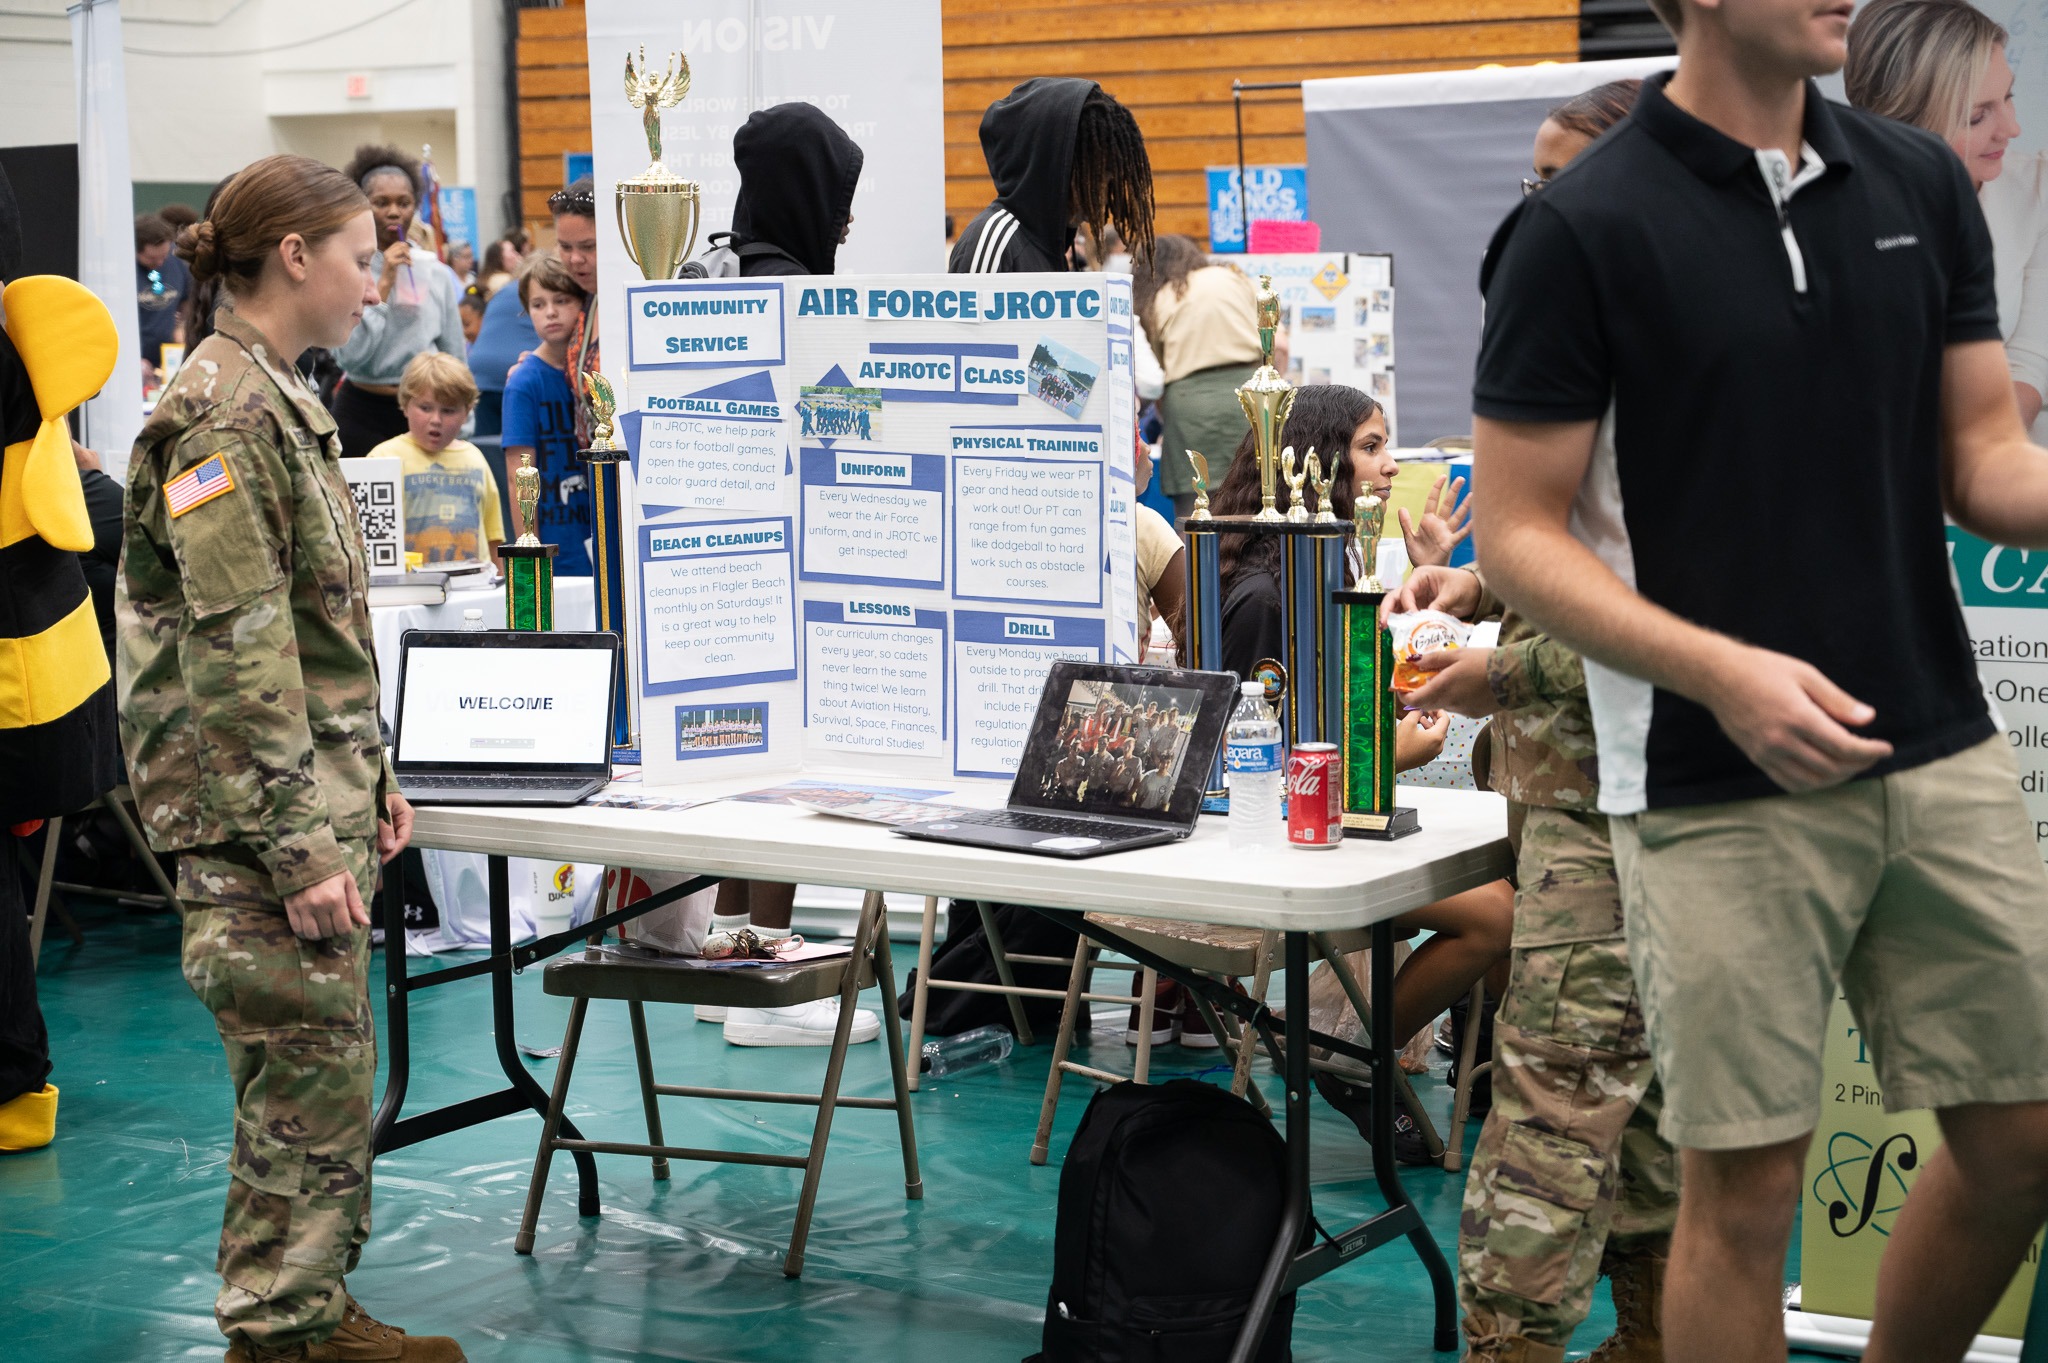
{"type": "Point", "coordinates": [1118, 757]}
{"type": "Point", "coordinates": [503, 717]}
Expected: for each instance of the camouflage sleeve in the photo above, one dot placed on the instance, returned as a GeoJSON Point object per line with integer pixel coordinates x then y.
{"type": "Point", "coordinates": [1535, 669]}
{"type": "Point", "coordinates": [239, 654]}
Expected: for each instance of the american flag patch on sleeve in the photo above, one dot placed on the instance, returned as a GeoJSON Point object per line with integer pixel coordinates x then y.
{"type": "Point", "coordinates": [196, 486]}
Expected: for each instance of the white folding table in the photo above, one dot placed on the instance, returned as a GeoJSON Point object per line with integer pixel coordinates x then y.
{"type": "Point", "coordinates": [1204, 879]}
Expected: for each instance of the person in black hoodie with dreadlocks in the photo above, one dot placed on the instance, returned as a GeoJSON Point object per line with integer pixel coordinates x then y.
{"type": "Point", "coordinates": [1062, 152]}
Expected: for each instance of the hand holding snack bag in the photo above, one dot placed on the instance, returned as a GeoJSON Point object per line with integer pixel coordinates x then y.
{"type": "Point", "coordinates": [1419, 632]}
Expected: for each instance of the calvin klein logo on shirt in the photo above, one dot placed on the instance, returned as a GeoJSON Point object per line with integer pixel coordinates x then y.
{"type": "Point", "coordinates": [1894, 243]}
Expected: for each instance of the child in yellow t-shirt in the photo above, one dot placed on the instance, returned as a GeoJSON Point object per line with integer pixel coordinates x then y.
{"type": "Point", "coordinates": [451, 498]}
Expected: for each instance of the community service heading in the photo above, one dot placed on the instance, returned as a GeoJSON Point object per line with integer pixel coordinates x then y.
{"type": "Point", "coordinates": [953, 305]}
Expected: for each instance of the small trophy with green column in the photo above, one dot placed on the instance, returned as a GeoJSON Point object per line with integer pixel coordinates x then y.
{"type": "Point", "coordinates": [529, 564]}
{"type": "Point", "coordinates": [1370, 711]}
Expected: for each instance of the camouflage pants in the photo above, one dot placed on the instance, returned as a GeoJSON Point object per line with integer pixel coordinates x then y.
{"type": "Point", "coordinates": [1569, 1164]}
{"type": "Point", "coordinates": [294, 1017]}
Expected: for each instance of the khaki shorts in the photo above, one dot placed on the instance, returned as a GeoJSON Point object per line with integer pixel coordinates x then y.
{"type": "Point", "coordinates": [1921, 895]}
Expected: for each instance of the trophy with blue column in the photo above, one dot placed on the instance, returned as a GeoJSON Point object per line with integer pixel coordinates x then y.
{"type": "Point", "coordinates": [607, 545]}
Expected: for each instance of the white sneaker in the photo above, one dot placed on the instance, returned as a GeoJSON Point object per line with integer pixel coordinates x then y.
{"type": "Point", "coordinates": [707, 1013]}
{"type": "Point", "coordinates": [803, 1024]}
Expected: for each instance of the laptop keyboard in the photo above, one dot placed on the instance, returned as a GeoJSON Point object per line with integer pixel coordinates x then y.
{"type": "Point", "coordinates": [496, 782]}
{"type": "Point", "coordinates": [1054, 825]}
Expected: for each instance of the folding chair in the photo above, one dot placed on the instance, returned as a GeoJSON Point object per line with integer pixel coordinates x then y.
{"type": "Point", "coordinates": [1004, 961]}
{"type": "Point", "coordinates": [624, 973]}
{"type": "Point", "coordinates": [48, 886]}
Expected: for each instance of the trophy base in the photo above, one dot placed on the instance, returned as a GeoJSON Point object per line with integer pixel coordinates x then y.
{"type": "Point", "coordinates": [609, 455]}
{"type": "Point", "coordinates": [1397, 822]}
{"type": "Point", "coordinates": [1268, 516]}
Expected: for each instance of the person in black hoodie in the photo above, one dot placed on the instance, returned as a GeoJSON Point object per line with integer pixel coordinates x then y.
{"type": "Point", "coordinates": [798, 170]}
{"type": "Point", "coordinates": [1061, 152]}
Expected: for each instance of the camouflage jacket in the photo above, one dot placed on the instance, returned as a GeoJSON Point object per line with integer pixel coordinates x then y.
{"type": "Point", "coordinates": [1541, 748]}
{"type": "Point", "coordinates": [247, 671]}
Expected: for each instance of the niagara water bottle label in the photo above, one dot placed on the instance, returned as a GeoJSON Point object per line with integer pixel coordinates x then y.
{"type": "Point", "coordinates": [1254, 756]}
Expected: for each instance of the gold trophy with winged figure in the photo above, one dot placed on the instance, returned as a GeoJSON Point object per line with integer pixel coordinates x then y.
{"type": "Point", "coordinates": [659, 212]}
{"type": "Point", "coordinates": [1267, 400]}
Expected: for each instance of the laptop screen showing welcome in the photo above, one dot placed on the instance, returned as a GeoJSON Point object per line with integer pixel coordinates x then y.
{"type": "Point", "coordinates": [507, 707]}
{"type": "Point", "coordinates": [1116, 748]}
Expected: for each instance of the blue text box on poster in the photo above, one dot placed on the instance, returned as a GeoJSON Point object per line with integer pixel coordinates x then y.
{"type": "Point", "coordinates": [872, 517]}
{"type": "Point", "coordinates": [703, 325]}
{"type": "Point", "coordinates": [999, 664]}
{"type": "Point", "coordinates": [718, 605]}
{"type": "Point", "coordinates": [875, 677]}
{"type": "Point", "coordinates": [1028, 528]}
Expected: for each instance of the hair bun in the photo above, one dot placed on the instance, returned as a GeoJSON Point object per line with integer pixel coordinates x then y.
{"type": "Point", "coordinates": [198, 249]}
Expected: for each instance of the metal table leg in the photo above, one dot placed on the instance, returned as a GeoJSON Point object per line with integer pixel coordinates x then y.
{"type": "Point", "coordinates": [388, 1130]}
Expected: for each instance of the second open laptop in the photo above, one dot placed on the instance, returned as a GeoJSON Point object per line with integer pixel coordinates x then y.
{"type": "Point", "coordinates": [1118, 757]}
{"type": "Point", "coordinates": [504, 717]}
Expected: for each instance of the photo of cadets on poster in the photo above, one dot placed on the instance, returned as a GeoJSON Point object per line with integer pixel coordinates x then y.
{"type": "Point", "coordinates": [870, 514]}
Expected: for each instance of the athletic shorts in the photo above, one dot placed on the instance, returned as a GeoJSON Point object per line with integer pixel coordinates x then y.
{"type": "Point", "coordinates": [1920, 895]}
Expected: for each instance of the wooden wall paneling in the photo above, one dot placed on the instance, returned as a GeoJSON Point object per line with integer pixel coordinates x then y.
{"type": "Point", "coordinates": [1171, 61]}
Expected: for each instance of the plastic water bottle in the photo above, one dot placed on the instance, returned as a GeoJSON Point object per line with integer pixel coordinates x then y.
{"type": "Point", "coordinates": [473, 620]}
{"type": "Point", "coordinates": [1257, 761]}
{"type": "Point", "coordinates": [952, 1054]}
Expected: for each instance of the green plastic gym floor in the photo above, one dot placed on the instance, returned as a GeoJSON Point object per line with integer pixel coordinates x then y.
{"type": "Point", "coordinates": [107, 1237]}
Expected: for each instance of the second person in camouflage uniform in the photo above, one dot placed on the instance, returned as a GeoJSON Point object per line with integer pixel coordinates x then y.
{"type": "Point", "coordinates": [248, 687]}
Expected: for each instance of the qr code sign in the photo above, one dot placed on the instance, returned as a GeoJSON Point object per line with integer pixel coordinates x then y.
{"type": "Point", "coordinates": [375, 485]}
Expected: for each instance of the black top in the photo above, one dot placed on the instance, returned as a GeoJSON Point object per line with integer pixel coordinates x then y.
{"type": "Point", "coordinates": [1768, 459]}
{"type": "Point", "coordinates": [1254, 621]}
{"type": "Point", "coordinates": [798, 170]}
{"type": "Point", "coordinates": [1027, 138]}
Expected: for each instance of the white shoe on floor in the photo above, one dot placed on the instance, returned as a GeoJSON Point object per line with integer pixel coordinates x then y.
{"type": "Point", "coordinates": [802, 1024]}
{"type": "Point", "coordinates": [708, 1013]}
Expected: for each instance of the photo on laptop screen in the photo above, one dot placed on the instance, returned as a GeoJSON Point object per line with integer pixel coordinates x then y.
{"type": "Point", "coordinates": [1118, 749]}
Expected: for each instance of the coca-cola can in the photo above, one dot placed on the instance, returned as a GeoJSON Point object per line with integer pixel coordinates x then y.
{"type": "Point", "coordinates": [1315, 808]}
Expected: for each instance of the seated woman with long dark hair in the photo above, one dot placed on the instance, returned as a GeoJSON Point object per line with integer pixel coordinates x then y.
{"type": "Point", "coordinates": [1471, 930]}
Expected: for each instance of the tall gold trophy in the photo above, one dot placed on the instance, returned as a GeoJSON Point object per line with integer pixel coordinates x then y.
{"type": "Point", "coordinates": [1267, 399]}
{"type": "Point", "coordinates": [659, 212]}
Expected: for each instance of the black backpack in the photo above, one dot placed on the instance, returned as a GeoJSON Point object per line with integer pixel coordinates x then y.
{"type": "Point", "coordinates": [1169, 1201]}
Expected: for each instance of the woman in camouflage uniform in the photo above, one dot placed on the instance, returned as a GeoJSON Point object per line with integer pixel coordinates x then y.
{"type": "Point", "coordinates": [248, 691]}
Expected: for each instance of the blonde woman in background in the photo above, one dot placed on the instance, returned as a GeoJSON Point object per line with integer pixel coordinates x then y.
{"type": "Point", "coordinates": [1941, 65]}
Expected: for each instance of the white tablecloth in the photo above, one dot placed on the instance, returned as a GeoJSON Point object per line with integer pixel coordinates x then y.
{"type": "Point", "coordinates": [575, 608]}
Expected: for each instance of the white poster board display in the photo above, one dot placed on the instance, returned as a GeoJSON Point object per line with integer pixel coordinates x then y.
{"type": "Point", "coordinates": [1337, 309]}
{"type": "Point", "coordinates": [873, 510]}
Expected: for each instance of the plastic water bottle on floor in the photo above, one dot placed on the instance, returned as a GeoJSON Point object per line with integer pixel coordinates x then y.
{"type": "Point", "coordinates": [1257, 760]}
{"type": "Point", "coordinates": [952, 1054]}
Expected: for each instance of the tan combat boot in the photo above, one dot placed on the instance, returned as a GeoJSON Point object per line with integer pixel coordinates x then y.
{"type": "Point", "coordinates": [1487, 1345]}
{"type": "Point", "coordinates": [1636, 1278]}
{"type": "Point", "coordinates": [360, 1338]}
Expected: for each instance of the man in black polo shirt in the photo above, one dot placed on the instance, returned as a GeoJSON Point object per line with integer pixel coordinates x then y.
{"type": "Point", "coordinates": [1738, 358]}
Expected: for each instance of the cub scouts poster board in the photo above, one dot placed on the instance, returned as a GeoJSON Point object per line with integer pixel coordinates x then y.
{"type": "Point", "coordinates": [871, 512]}
{"type": "Point", "coordinates": [1864, 1161]}
{"type": "Point", "coordinates": [1338, 312]}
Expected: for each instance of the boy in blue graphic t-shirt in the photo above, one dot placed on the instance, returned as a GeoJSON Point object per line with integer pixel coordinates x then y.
{"type": "Point", "coordinates": [540, 416]}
